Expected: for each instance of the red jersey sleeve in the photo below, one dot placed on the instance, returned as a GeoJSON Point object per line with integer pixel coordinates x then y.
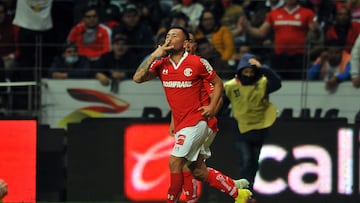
{"type": "Point", "coordinates": [155, 65]}
{"type": "Point", "coordinates": [207, 72]}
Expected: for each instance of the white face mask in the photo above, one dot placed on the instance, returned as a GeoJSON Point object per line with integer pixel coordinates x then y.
{"type": "Point", "coordinates": [71, 59]}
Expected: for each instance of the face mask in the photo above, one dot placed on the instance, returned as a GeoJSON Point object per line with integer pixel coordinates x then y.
{"type": "Point", "coordinates": [71, 59]}
{"type": "Point", "coordinates": [245, 80]}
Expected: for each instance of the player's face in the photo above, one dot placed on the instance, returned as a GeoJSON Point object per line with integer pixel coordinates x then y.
{"type": "Point", "coordinates": [176, 38]}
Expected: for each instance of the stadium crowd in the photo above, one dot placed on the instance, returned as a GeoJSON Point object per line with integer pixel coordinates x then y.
{"type": "Point", "coordinates": [108, 39]}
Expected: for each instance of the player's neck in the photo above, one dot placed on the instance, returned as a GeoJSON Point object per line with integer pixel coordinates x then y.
{"type": "Point", "coordinates": [176, 57]}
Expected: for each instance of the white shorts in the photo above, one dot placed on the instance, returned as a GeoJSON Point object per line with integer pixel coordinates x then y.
{"type": "Point", "coordinates": [192, 141]}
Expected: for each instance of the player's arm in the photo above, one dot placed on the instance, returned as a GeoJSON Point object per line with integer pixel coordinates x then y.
{"type": "Point", "coordinates": [216, 100]}
{"type": "Point", "coordinates": [143, 73]}
{"type": "Point", "coordinates": [218, 105]}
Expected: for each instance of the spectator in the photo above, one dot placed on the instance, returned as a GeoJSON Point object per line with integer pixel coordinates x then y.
{"type": "Point", "coordinates": [176, 19]}
{"type": "Point", "coordinates": [3, 189]}
{"type": "Point", "coordinates": [152, 12]}
{"type": "Point", "coordinates": [354, 7]}
{"type": "Point", "coordinates": [219, 36]}
{"type": "Point", "coordinates": [355, 63]}
{"type": "Point", "coordinates": [119, 64]}
{"type": "Point", "coordinates": [7, 39]}
{"type": "Point", "coordinates": [291, 25]}
{"type": "Point", "coordinates": [192, 10]}
{"type": "Point", "coordinates": [344, 29]}
{"type": "Point", "coordinates": [230, 19]}
{"type": "Point", "coordinates": [274, 4]}
{"type": "Point", "coordinates": [216, 6]}
{"type": "Point", "coordinates": [34, 22]}
{"type": "Point", "coordinates": [207, 51]}
{"type": "Point", "coordinates": [324, 11]}
{"type": "Point", "coordinates": [333, 66]}
{"type": "Point", "coordinates": [62, 24]}
{"type": "Point", "coordinates": [69, 64]}
{"type": "Point", "coordinates": [91, 37]}
{"type": "Point", "coordinates": [248, 95]}
{"type": "Point", "coordinates": [109, 13]}
{"type": "Point", "coordinates": [139, 34]}
{"type": "Point", "coordinates": [240, 51]}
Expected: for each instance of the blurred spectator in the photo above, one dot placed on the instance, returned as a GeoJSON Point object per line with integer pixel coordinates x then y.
{"type": "Point", "coordinates": [274, 4]}
{"type": "Point", "coordinates": [109, 13]}
{"type": "Point", "coordinates": [219, 36]}
{"type": "Point", "coordinates": [152, 12]}
{"type": "Point", "coordinates": [175, 19]}
{"type": "Point", "coordinates": [62, 24]}
{"type": "Point", "coordinates": [32, 36]}
{"type": "Point", "coordinates": [231, 17]}
{"type": "Point", "coordinates": [324, 11]}
{"type": "Point", "coordinates": [216, 6]}
{"type": "Point", "coordinates": [344, 29]}
{"type": "Point", "coordinates": [69, 64]}
{"type": "Point", "coordinates": [7, 39]}
{"type": "Point", "coordinates": [139, 34]}
{"type": "Point", "coordinates": [91, 37]}
{"type": "Point", "coordinates": [240, 51]}
{"type": "Point", "coordinates": [192, 9]}
{"type": "Point", "coordinates": [354, 7]}
{"type": "Point", "coordinates": [333, 66]}
{"type": "Point", "coordinates": [35, 55]}
{"type": "Point", "coordinates": [206, 50]}
{"type": "Point", "coordinates": [119, 64]}
{"type": "Point", "coordinates": [291, 25]}
{"type": "Point", "coordinates": [355, 63]}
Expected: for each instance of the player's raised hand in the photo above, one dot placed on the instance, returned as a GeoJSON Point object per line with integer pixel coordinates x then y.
{"type": "Point", "coordinates": [162, 50]}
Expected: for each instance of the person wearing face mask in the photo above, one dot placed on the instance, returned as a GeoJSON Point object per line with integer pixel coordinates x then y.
{"type": "Point", "coordinates": [69, 64]}
{"type": "Point", "coordinates": [253, 113]}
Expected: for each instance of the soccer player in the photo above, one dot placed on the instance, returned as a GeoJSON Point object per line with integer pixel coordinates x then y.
{"type": "Point", "coordinates": [182, 76]}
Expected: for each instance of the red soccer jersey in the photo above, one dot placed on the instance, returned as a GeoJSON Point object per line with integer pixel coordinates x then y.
{"type": "Point", "coordinates": [183, 85]}
{"type": "Point", "coordinates": [290, 29]}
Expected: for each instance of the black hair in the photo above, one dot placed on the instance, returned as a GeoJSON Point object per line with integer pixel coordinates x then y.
{"type": "Point", "coordinates": [89, 8]}
{"type": "Point", "coordinates": [186, 33]}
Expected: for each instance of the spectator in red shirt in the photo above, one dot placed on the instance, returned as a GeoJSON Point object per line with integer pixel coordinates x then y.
{"type": "Point", "coordinates": [344, 29]}
{"type": "Point", "coordinates": [291, 24]}
{"type": "Point", "coordinates": [92, 38]}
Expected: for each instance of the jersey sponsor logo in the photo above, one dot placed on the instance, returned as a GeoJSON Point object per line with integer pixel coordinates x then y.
{"type": "Point", "coordinates": [181, 139]}
{"type": "Point", "coordinates": [207, 65]}
{"type": "Point", "coordinates": [177, 84]}
{"type": "Point", "coordinates": [288, 22]}
{"type": "Point", "coordinates": [188, 72]}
